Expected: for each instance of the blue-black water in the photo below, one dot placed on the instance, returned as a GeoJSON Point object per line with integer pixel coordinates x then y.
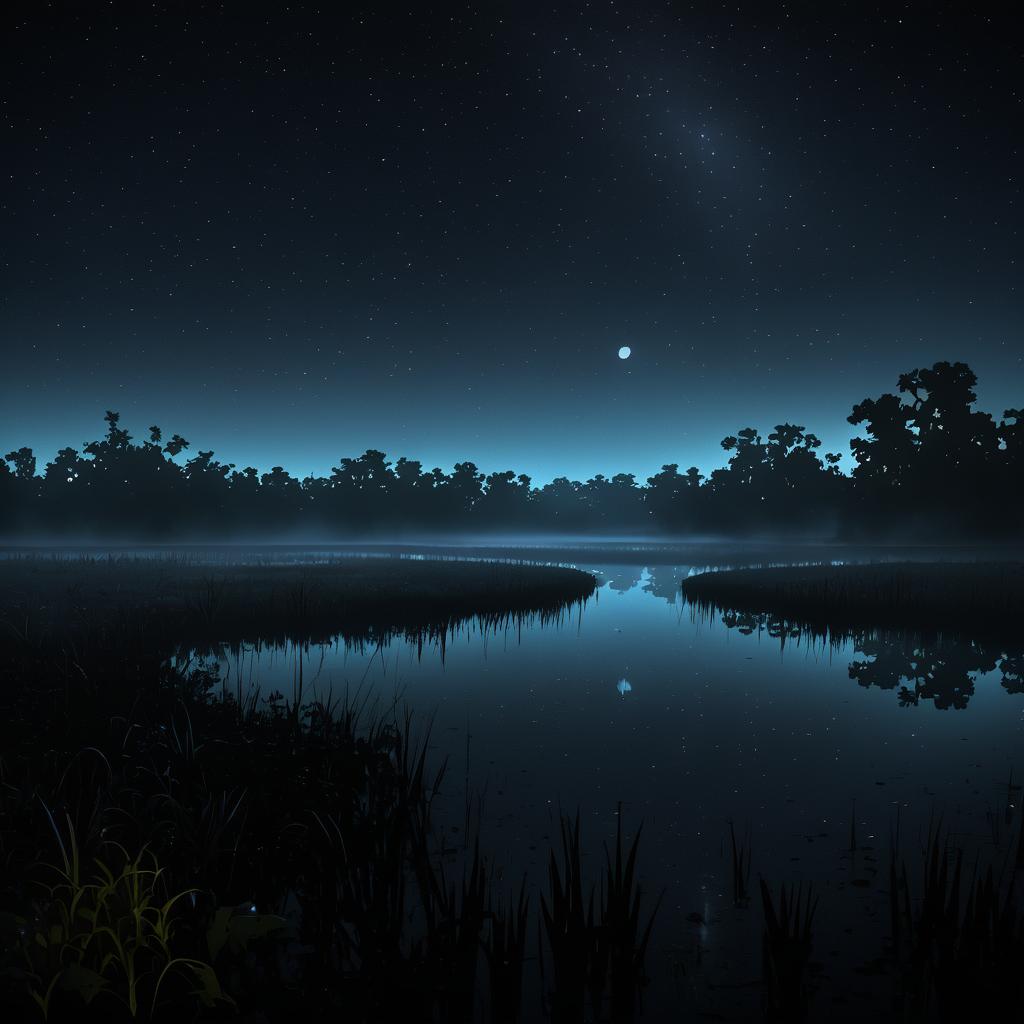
{"type": "Point", "coordinates": [691, 724]}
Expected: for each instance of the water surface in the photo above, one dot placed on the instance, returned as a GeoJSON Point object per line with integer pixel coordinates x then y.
{"type": "Point", "coordinates": [692, 723]}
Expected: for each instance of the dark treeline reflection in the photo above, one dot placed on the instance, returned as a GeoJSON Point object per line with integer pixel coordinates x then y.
{"type": "Point", "coordinates": [920, 668]}
{"type": "Point", "coordinates": [928, 464]}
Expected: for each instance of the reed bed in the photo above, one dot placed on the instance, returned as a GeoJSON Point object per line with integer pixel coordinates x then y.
{"type": "Point", "coordinates": [176, 599]}
{"type": "Point", "coordinates": [975, 598]}
{"type": "Point", "coordinates": [594, 937]}
{"type": "Point", "coordinates": [958, 939]}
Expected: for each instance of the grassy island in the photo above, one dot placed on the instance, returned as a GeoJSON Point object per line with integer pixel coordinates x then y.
{"type": "Point", "coordinates": [981, 598]}
{"type": "Point", "coordinates": [188, 599]}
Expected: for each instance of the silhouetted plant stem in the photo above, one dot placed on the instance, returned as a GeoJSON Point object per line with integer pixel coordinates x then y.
{"type": "Point", "coordinates": [626, 938]}
{"type": "Point", "coordinates": [741, 853]}
{"type": "Point", "coordinates": [567, 927]}
{"type": "Point", "coordinates": [786, 953]}
{"type": "Point", "coordinates": [504, 950]}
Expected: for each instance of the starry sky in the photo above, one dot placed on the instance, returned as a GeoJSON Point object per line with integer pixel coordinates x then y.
{"type": "Point", "coordinates": [428, 229]}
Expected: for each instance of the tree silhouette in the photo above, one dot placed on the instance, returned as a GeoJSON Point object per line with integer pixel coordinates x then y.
{"type": "Point", "coordinates": [926, 464]}
{"type": "Point", "coordinates": [23, 463]}
{"type": "Point", "coordinates": [931, 463]}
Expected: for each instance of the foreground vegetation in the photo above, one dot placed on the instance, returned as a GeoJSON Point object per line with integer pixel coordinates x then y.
{"type": "Point", "coordinates": [171, 856]}
{"type": "Point", "coordinates": [928, 465]}
{"type": "Point", "coordinates": [171, 853]}
{"type": "Point", "coordinates": [976, 599]}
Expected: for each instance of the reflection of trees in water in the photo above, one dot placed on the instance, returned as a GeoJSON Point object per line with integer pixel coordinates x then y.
{"type": "Point", "coordinates": [940, 673]}
{"type": "Point", "coordinates": [662, 581]}
{"type": "Point", "coordinates": [622, 578]}
{"type": "Point", "coordinates": [1012, 667]}
{"type": "Point", "coordinates": [920, 669]}
{"type": "Point", "coordinates": [749, 623]}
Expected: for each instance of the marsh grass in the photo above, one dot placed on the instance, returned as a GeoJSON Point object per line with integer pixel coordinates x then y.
{"type": "Point", "coordinates": [979, 598]}
{"type": "Point", "coordinates": [741, 851]}
{"type": "Point", "coordinates": [456, 921]}
{"type": "Point", "coordinates": [290, 864]}
{"type": "Point", "coordinates": [109, 930]}
{"type": "Point", "coordinates": [290, 847]}
{"type": "Point", "coordinates": [174, 600]}
{"type": "Point", "coordinates": [320, 816]}
{"type": "Point", "coordinates": [505, 953]}
{"type": "Point", "coordinates": [786, 952]}
{"type": "Point", "coordinates": [568, 922]}
{"type": "Point", "coordinates": [622, 933]}
{"type": "Point", "coordinates": [595, 947]}
{"type": "Point", "coordinates": [959, 944]}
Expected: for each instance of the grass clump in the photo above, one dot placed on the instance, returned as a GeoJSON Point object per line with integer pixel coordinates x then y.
{"type": "Point", "coordinates": [786, 953]}
{"type": "Point", "coordinates": [595, 948]}
{"type": "Point", "coordinates": [111, 933]}
{"type": "Point", "coordinates": [958, 943]}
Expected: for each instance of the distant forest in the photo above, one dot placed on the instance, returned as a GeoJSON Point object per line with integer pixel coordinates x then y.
{"type": "Point", "coordinates": [928, 466]}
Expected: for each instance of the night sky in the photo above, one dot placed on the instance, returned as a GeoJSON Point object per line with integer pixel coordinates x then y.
{"type": "Point", "coordinates": [429, 229]}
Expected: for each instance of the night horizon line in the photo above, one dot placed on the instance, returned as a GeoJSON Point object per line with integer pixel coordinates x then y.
{"type": "Point", "coordinates": [179, 445]}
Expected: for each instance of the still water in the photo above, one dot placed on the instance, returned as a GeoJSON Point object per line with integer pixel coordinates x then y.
{"type": "Point", "coordinates": [691, 724]}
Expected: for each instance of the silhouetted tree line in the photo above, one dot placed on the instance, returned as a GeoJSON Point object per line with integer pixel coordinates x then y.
{"type": "Point", "coordinates": [928, 464]}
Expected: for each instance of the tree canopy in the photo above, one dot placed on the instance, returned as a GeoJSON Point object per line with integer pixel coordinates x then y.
{"type": "Point", "coordinates": [926, 463]}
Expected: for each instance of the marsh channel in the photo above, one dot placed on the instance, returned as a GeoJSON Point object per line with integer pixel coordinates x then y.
{"type": "Point", "coordinates": [813, 749]}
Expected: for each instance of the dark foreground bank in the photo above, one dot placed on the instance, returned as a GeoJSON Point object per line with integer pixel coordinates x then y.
{"type": "Point", "coordinates": [173, 854]}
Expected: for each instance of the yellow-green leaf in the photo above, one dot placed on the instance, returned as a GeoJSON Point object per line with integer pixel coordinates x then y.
{"type": "Point", "coordinates": [87, 983]}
